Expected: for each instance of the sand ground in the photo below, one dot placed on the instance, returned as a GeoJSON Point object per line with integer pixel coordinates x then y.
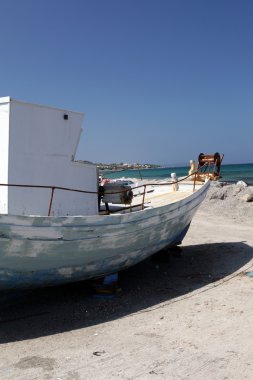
{"type": "Point", "coordinates": [185, 315]}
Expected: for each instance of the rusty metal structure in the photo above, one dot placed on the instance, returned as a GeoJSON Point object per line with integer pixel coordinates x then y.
{"type": "Point", "coordinates": [209, 166]}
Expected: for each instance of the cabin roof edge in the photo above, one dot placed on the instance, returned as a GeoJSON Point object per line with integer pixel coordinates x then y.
{"type": "Point", "coordinates": [8, 99]}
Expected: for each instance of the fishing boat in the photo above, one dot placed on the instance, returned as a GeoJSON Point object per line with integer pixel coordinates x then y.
{"type": "Point", "coordinates": [56, 223]}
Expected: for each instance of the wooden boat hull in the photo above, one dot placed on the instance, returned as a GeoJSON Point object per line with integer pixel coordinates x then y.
{"type": "Point", "coordinates": [43, 251]}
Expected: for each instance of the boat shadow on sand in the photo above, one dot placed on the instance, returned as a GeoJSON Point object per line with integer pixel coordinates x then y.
{"type": "Point", "coordinates": [35, 313]}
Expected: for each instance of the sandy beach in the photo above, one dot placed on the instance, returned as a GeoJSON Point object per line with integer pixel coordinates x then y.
{"type": "Point", "coordinates": [185, 314]}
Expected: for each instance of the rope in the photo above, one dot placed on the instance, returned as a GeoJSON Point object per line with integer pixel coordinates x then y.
{"type": "Point", "coordinates": [197, 292]}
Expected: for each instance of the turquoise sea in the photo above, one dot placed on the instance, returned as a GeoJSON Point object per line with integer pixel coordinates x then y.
{"type": "Point", "coordinates": [229, 173]}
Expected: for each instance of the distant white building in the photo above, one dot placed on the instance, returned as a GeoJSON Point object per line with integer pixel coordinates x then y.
{"type": "Point", "coordinates": [37, 147]}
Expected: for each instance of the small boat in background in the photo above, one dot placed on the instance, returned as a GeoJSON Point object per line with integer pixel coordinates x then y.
{"type": "Point", "coordinates": [54, 226]}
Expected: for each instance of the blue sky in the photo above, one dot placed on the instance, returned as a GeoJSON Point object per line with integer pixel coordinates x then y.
{"type": "Point", "coordinates": [159, 81]}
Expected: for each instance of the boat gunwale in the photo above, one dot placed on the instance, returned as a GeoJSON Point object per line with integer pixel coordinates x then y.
{"type": "Point", "coordinates": [146, 211]}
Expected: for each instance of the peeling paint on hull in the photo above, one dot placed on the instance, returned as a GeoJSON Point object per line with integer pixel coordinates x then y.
{"type": "Point", "coordinates": [40, 251]}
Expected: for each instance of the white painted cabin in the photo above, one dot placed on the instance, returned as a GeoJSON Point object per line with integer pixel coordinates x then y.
{"type": "Point", "coordinates": [37, 147]}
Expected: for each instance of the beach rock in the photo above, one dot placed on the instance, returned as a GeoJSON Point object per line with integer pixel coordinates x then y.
{"type": "Point", "coordinates": [241, 183]}
{"type": "Point", "coordinates": [218, 194]}
{"type": "Point", "coordinates": [247, 197]}
{"type": "Point", "coordinates": [231, 201]}
{"type": "Point", "coordinates": [237, 190]}
{"type": "Point", "coordinates": [217, 184]}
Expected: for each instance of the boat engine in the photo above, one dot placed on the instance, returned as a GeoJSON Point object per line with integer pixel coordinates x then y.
{"type": "Point", "coordinates": [117, 193]}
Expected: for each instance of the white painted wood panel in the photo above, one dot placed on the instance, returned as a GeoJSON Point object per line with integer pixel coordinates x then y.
{"type": "Point", "coordinates": [37, 148]}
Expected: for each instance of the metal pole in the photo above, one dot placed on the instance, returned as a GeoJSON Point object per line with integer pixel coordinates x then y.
{"type": "Point", "coordinates": [143, 197]}
{"type": "Point", "coordinates": [51, 201]}
{"type": "Point", "coordinates": [194, 181]}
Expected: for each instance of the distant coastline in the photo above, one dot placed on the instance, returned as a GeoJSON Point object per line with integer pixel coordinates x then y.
{"type": "Point", "coordinates": [125, 166]}
{"type": "Point", "coordinates": [229, 173]}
